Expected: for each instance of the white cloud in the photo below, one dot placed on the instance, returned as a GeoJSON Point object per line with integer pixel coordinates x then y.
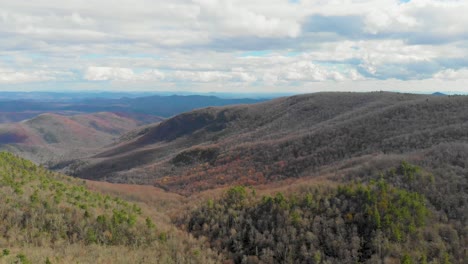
{"type": "Point", "coordinates": [203, 76]}
{"type": "Point", "coordinates": [81, 21]}
{"type": "Point", "coordinates": [236, 18]}
{"type": "Point", "coordinates": [10, 76]}
{"type": "Point", "coordinates": [239, 74]}
{"type": "Point", "coordinates": [108, 73]}
{"type": "Point", "coordinates": [451, 74]}
{"type": "Point", "coordinates": [203, 43]}
{"type": "Point", "coordinates": [94, 73]}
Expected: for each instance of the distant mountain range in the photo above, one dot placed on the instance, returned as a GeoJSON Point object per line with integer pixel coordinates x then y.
{"type": "Point", "coordinates": [14, 110]}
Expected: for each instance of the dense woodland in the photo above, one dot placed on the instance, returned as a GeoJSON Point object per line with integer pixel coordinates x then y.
{"type": "Point", "coordinates": [392, 217]}
{"type": "Point", "coordinates": [46, 217]}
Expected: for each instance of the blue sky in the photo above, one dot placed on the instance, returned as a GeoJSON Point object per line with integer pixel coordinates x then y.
{"type": "Point", "coordinates": [234, 46]}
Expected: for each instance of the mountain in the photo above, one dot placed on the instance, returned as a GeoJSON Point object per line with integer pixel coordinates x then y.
{"type": "Point", "coordinates": [165, 106]}
{"type": "Point", "coordinates": [286, 138]}
{"type": "Point", "coordinates": [439, 94]}
{"type": "Point", "coordinates": [50, 137]}
{"type": "Point", "coordinates": [317, 178]}
{"type": "Point", "coordinates": [46, 217]}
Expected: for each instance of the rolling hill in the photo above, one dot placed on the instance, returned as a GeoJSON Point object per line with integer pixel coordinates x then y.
{"type": "Point", "coordinates": [282, 139]}
{"type": "Point", "coordinates": [46, 217]}
{"type": "Point", "coordinates": [52, 137]}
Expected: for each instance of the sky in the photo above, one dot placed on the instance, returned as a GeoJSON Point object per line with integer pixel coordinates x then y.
{"type": "Point", "coordinates": [234, 46]}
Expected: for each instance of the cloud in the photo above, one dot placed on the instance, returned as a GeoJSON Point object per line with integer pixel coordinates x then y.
{"type": "Point", "coordinates": [451, 74]}
{"type": "Point", "coordinates": [201, 44]}
{"type": "Point", "coordinates": [235, 18]}
{"type": "Point", "coordinates": [10, 76]}
{"type": "Point", "coordinates": [108, 73]}
{"type": "Point", "coordinates": [305, 71]}
{"type": "Point", "coordinates": [94, 73]}
{"type": "Point", "coordinates": [203, 76]}
{"type": "Point", "coordinates": [347, 26]}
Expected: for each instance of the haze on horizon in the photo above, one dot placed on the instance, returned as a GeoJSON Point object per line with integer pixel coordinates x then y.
{"type": "Point", "coordinates": [238, 46]}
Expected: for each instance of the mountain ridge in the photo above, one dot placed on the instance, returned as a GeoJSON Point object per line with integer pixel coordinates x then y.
{"type": "Point", "coordinates": [279, 139]}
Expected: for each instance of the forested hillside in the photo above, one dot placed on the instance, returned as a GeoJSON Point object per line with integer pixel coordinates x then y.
{"type": "Point", "coordinates": [46, 217]}
{"type": "Point", "coordinates": [391, 217]}
{"type": "Point", "coordinates": [286, 138]}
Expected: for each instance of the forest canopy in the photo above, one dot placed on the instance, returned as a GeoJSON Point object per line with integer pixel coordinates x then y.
{"type": "Point", "coordinates": [371, 221]}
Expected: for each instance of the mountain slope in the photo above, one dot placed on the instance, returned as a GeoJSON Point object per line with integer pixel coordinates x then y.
{"type": "Point", "coordinates": [48, 137]}
{"type": "Point", "coordinates": [46, 217]}
{"type": "Point", "coordinates": [389, 217]}
{"type": "Point", "coordinates": [283, 138]}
